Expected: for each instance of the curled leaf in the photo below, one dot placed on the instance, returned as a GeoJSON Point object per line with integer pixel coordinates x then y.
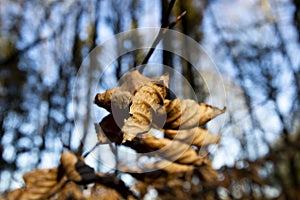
{"type": "Point", "coordinates": [208, 174]}
{"type": "Point", "coordinates": [173, 168]}
{"type": "Point", "coordinates": [15, 194]}
{"type": "Point", "coordinates": [196, 136]}
{"type": "Point", "coordinates": [173, 150]}
{"type": "Point", "coordinates": [111, 129]}
{"type": "Point", "coordinates": [99, 191]}
{"type": "Point", "coordinates": [186, 113]}
{"type": "Point", "coordinates": [144, 100]}
{"type": "Point", "coordinates": [68, 161]}
{"type": "Point", "coordinates": [76, 170]}
{"type": "Point", "coordinates": [71, 191]}
{"type": "Point", "coordinates": [102, 139]}
{"type": "Point", "coordinates": [104, 99]}
{"type": "Point", "coordinates": [208, 112]}
{"type": "Point", "coordinates": [39, 184]}
{"type": "Point", "coordinates": [132, 81]}
{"type": "Point", "coordinates": [120, 97]}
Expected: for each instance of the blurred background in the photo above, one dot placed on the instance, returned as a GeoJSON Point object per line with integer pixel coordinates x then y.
{"type": "Point", "coordinates": [254, 44]}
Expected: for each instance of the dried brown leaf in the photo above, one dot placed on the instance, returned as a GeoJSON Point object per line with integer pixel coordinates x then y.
{"type": "Point", "coordinates": [132, 81]}
{"type": "Point", "coordinates": [15, 194]}
{"type": "Point", "coordinates": [111, 129]}
{"type": "Point", "coordinates": [208, 174]}
{"type": "Point", "coordinates": [68, 161]}
{"type": "Point", "coordinates": [104, 99]}
{"type": "Point", "coordinates": [100, 135]}
{"type": "Point", "coordinates": [173, 150]}
{"type": "Point", "coordinates": [71, 191]}
{"type": "Point", "coordinates": [172, 168]}
{"type": "Point", "coordinates": [208, 112]}
{"type": "Point", "coordinates": [141, 187]}
{"type": "Point", "coordinates": [40, 184]}
{"type": "Point", "coordinates": [186, 113]}
{"type": "Point", "coordinates": [102, 192]}
{"type": "Point", "coordinates": [196, 136]}
{"type": "Point", "coordinates": [115, 101]}
{"type": "Point", "coordinates": [76, 170]}
{"type": "Point", "coordinates": [120, 97]}
{"type": "Point", "coordinates": [144, 100]}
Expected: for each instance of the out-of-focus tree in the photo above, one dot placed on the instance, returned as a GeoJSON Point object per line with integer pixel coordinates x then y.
{"type": "Point", "coordinates": [259, 53]}
{"type": "Point", "coordinates": [254, 44]}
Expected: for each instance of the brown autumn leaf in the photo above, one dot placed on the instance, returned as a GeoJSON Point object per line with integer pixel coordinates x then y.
{"type": "Point", "coordinates": [75, 169]}
{"type": "Point", "coordinates": [143, 100]}
{"type": "Point", "coordinates": [68, 161]}
{"type": "Point", "coordinates": [39, 184]}
{"type": "Point", "coordinates": [196, 136]}
{"type": "Point", "coordinates": [102, 139]}
{"type": "Point", "coordinates": [141, 187]}
{"type": "Point", "coordinates": [102, 192]}
{"type": "Point", "coordinates": [147, 98]}
{"type": "Point", "coordinates": [111, 129]}
{"type": "Point", "coordinates": [171, 167]}
{"type": "Point", "coordinates": [208, 174]}
{"type": "Point", "coordinates": [120, 97]}
{"type": "Point", "coordinates": [147, 177]}
{"type": "Point", "coordinates": [172, 150]}
{"type": "Point", "coordinates": [133, 80]}
{"type": "Point", "coordinates": [15, 194]}
{"type": "Point", "coordinates": [71, 191]}
{"type": "Point", "coordinates": [142, 93]}
{"type": "Point", "coordinates": [187, 113]}
{"type": "Point", "coordinates": [103, 100]}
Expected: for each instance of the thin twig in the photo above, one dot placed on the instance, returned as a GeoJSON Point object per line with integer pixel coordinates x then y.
{"type": "Point", "coordinates": [158, 38]}
{"type": "Point", "coordinates": [173, 23]}
{"type": "Point", "coordinates": [168, 13]}
{"type": "Point", "coordinates": [92, 149]}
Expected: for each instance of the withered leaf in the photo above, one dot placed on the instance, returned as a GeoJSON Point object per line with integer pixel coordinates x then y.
{"type": "Point", "coordinates": [141, 187]}
{"type": "Point", "coordinates": [196, 136]}
{"type": "Point", "coordinates": [120, 97]}
{"type": "Point", "coordinates": [111, 129]}
{"type": "Point", "coordinates": [40, 184]}
{"type": "Point", "coordinates": [208, 112]}
{"type": "Point", "coordinates": [71, 191]}
{"type": "Point", "coordinates": [132, 81]}
{"type": "Point", "coordinates": [104, 99]}
{"type": "Point", "coordinates": [100, 135]}
{"type": "Point", "coordinates": [15, 194]}
{"type": "Point", "coordinates": [142, 93]}
{"type": "Point", "coordinates": [68, 161]}
{"type": "Point", "coordinates": [173, 150]}
{"type": "Point", "coordinates": [171, 167]}
{"type": "Point", "coordinates": [76, 170]}
{"type": "Point", "coordinates": [144, 100]}
{"type": "Point", "coordinates": [208, 174]}
{"type": "Point", "coordinates": [102, 192]}
{"type": "Point", "coordinates": [187, 113]}
{"type": "Point", "coordinates": [129, 84]}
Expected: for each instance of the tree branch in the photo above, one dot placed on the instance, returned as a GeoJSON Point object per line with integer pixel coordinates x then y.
{"type": "Point", "coordinates": [163, 30]}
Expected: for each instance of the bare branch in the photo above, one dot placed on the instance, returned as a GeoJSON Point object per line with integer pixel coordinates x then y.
{"type": "Point", "coordinates": [158, 38]}
{"type": "Point", "coordinates": [163, 30]}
